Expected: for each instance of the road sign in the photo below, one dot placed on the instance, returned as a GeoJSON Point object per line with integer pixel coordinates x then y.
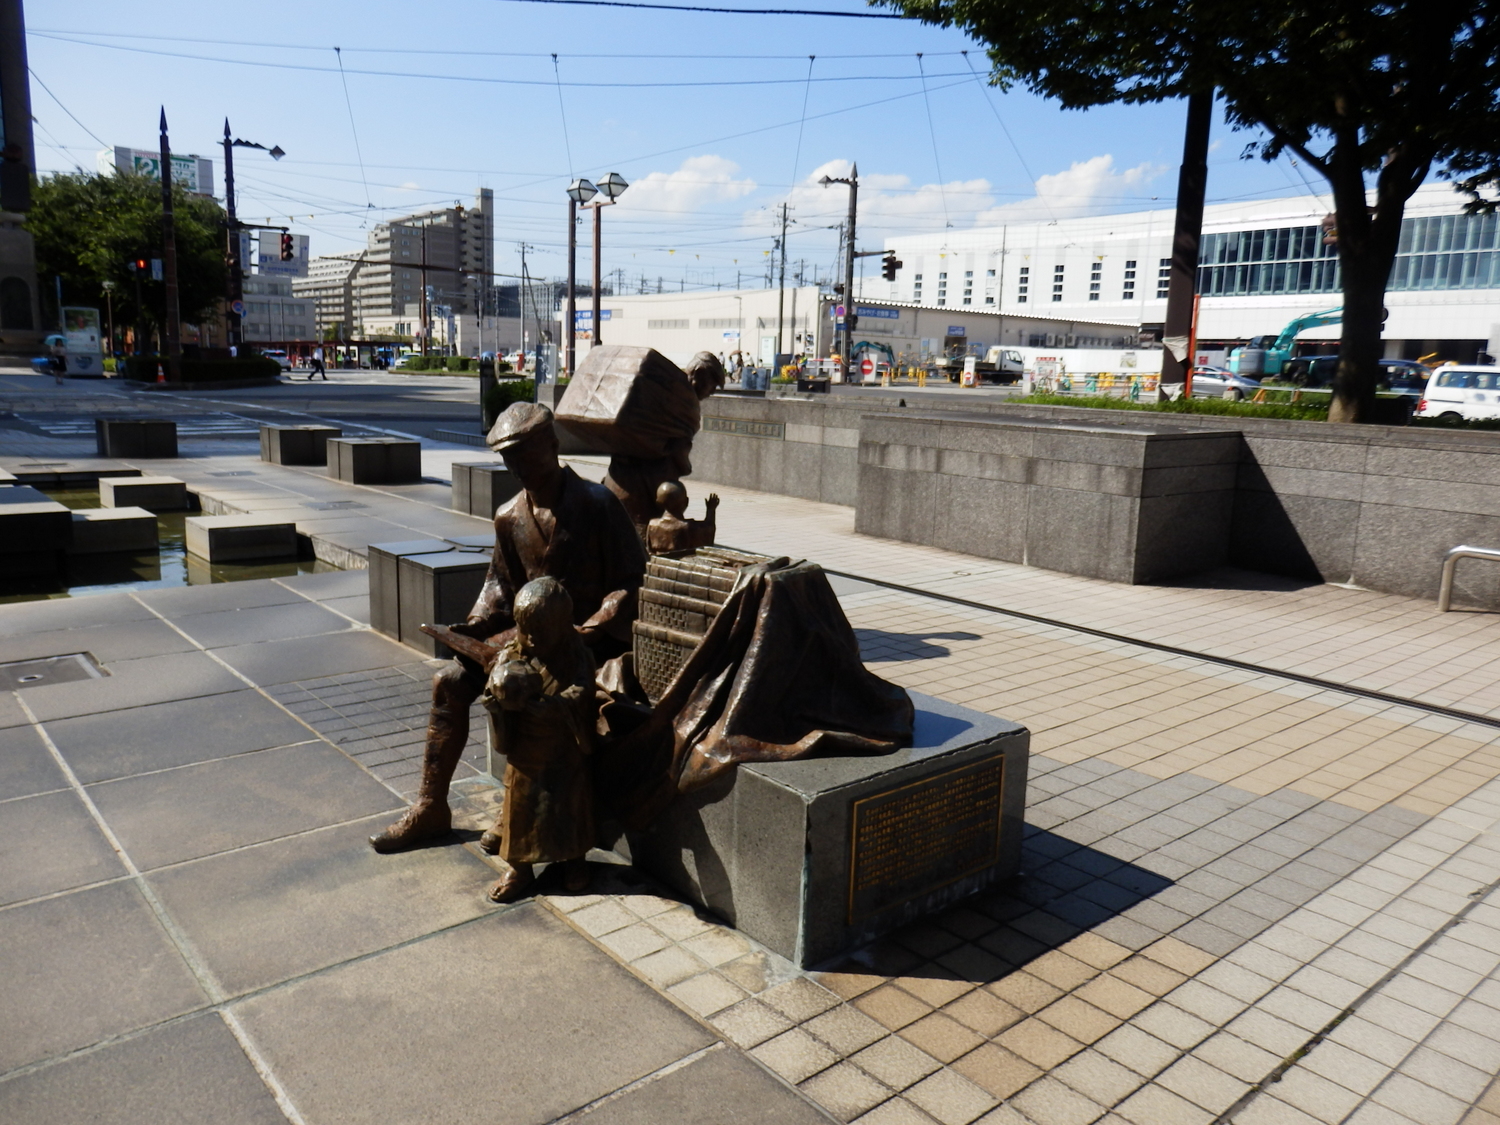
{"type": "Point", "coordinates": [237, 307]}
{"type": "Point", "coordinates": [155, 269]}
{"type": "Point", "coordinates": [838, 311]}
{"type": "Point", "coordinates": [867, 366]}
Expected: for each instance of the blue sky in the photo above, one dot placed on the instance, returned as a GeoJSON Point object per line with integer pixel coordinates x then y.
{"type": "Point", "coordinates": [711, 118]}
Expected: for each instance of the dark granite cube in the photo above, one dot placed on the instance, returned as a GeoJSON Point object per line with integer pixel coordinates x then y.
{"type": "Point", "coordinates": [478, 490]}
{"type": "Point", "coordinates": [296, 445]}
{"type": "Point", "coordinates": [135, 437]}
{"type": "Point", "coordinates": [375, 460]}
{"type": "Point", "coordinates": [437, 589]}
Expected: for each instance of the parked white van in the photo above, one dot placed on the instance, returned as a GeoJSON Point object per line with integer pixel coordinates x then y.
{"type": "Point", "coordinates": [1461, 392]}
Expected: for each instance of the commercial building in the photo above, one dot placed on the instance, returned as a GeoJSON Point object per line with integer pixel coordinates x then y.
{"type": "Point", "coordinates": [1262, 264]}
{"type": "Point", "coordinates": [273, 313]}
{"type": "Point", "coordinates": [194, 174]}
{"type": "Point", "coordinates": [745, 321]}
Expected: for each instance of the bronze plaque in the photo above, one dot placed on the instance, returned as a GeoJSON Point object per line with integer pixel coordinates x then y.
{"type": "Point", "coordinates": [744, 427]}
{"type": "Point", "coordinates": [909, 841]}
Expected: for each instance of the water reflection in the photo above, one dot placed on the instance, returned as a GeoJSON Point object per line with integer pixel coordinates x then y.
{"type": "Point", "coordinates": [170, 566]}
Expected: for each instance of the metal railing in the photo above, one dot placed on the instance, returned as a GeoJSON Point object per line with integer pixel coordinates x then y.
{"type": "Point", "coordinates": [1450, 563]}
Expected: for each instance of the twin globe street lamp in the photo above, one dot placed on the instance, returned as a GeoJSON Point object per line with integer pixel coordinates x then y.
{"type": "Point", "coordinates": [580, 192]}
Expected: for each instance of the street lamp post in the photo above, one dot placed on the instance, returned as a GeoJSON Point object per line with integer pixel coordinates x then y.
{"type": "Point", "coordinates": [579, 191]}
{"type": "Point", "coordinates": [611, 187]}
{"type": "Point", "coordinates": [236, 267]}
{"type": "Point", "coordinates": [849, 254]}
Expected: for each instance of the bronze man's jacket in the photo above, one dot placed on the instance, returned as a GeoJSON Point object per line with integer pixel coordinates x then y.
{"type": "Point", "coordinates": [594, 552]}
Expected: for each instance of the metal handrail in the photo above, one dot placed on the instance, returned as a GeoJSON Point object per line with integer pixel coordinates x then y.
{"type": "Point", "coordinates": [1450, 563]}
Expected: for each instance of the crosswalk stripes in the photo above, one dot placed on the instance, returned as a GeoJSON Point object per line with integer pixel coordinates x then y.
{"type": "Point", "coordinates": [198, 425]}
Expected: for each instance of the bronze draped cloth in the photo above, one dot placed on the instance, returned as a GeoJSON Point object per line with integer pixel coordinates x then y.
{"type": "Point", "coordinates": [778, 676]}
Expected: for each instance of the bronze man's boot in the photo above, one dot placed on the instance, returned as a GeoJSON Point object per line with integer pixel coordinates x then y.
{"type": "Point", "coordinates": [448, 731]}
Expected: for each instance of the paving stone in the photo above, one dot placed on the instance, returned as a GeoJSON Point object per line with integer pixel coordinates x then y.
{"type": "Point", "coordinates": [1140, 1051]}
{"type": "Point", "coordinates": [845, 1091]}
{"type": "Point", "coordinates": [668, 966]}
{"type": "Point", "coordinates": [950, 1098]}
{"type": "Point", "coordinates": [1051, 1101]}
{"type": "Point", "coordinates": [70, 944]}
{"type": "Point", "coordinates": [1115, 996]}
{"type": "Point", "coordinates": [182, 1073]}
{"type": "Point", "coordinates": [1154, 1105]}
{"type": "Point", "coordinates": [210, 807]}
{"type": "Point", "coordinates": [985, 1013]}
{"type": "Point", "coordinates": [845, 1029]}
{"type": "Point", "coordinates": [1078, 1019]}
{"type": "Point", "coordinates": [1202, 1084]}
{"type": "Point", "coordinates": [997, 1070]}
{"type": "Point", "coordinates": [26, 765]}
{"type": "Point", "coordinates": [634, 942]}
{"type": "Point", "coordinates": [1023, 991]}
{"type": "Point", "coordinates": [897, 1111]}
{"type": "Point", "coordinates": [795, 1055]}
{"type": "Point", "coordinates": [749, 1023]}
{"type": "Point", "coordinates": [892, 1007]}
{"type": "Point", "coordinates": [799, 999]}
{"type": "Point", "coordinates": [134, 683]}
{"type": "Point", "coordinates": [417, 1056]}
{"type": "Point", "coordinates": [1039, 1043]}
{"type": "Point", "coordinates": [943, 1038]}
{"type": "Point", "coordinates": [896, 1062]}
{"type": "Point", "coordinates": [50, 844]}
{"type": "Point", "coordinates": [1315, 1095]}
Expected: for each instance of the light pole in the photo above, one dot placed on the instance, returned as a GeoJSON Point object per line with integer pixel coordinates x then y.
{"type": "Point", "coordinates": [611, 187]}
{"type": "Point", "coordinates": [109, 299]}
{"type": "Point", "coordinates": [849, 318]}
{"type": "Point", "coordinates": [236, 276]}
{"type": "Point", "coordinates": [579, 191]}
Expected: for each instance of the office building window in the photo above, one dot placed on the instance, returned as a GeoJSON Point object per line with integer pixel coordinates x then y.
{"type": "Point", "coordinates": [989, 273]}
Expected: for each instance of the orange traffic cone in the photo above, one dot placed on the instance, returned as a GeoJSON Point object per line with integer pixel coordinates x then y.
{"type": "Point", "coordinates": [161, 374]}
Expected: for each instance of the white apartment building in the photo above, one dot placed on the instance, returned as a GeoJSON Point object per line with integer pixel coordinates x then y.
{"type": "Point", "coordinates": [1261, 265]}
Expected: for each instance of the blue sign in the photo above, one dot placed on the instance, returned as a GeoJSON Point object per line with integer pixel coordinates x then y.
{"type": "Point", "coordinates": [956, 330]}
{"type": "Point", "coordinates": [588, 314]}
{"type": "Point", "coordinates": [878, 314]}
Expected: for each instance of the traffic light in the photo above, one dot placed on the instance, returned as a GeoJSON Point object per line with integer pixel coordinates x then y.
{"type": "Point", "coordinates": [889, 265]}
{"type": "Point", "coordinates": [136, 266]}
{"type": "Point", "coordinates": [288, 248]}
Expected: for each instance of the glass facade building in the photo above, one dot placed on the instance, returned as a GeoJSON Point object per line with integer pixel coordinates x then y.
{"type": "Point", "coordinates": [1435, 252]}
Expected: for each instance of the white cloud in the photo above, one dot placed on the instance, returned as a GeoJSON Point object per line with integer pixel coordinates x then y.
{"type": "Point", "coordinates": [888, 203]}
{"type": "Point", "coordinates": [1087, 187]}
{"type": "Point", "coordinates": [697, 183]}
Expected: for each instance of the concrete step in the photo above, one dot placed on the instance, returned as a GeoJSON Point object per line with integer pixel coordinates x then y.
{"type": "Point", "coordinates": [99, 530]}
{"type": "Point", "coordinates": [238, 538]}
{"type": "Point", "coordinates": [155, 494]}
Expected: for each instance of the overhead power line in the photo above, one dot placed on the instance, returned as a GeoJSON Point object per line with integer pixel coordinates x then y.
{"type": "Point", "coordinates": [726, 11]}
{"type": "Point", "coordinates": [492, 80]}
{"type": "Point", "coordinates": [62, 107]}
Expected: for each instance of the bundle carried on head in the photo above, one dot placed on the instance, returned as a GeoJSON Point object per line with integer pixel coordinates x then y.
{"type": "Point", "coordinates": [630, 400]}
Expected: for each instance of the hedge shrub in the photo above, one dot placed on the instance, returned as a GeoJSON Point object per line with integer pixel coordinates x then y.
{"type": "Point", "coordinates": [142, 369]}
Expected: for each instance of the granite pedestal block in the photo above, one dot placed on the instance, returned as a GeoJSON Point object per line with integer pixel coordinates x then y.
{"type": "Point", "coordinates": [425, 582]}
{"type": "Point", "coordinates": [375, 460]}
{"type": "Point", "coordinates": [814, 858]}
{"type": "Point", "coordinates": [296, 445]}
{"type": "Point", "coordinates": [155, 494]}
{"type": "Point", "coordinates": [239, 538]}
{"type": "Point", "coordinates": [478, 490]}
{"type": "Point", "coordinates": [135, 437]}
{"type": "Point", "coordinates": [33, 530]}
{"type": "Point", "coordinates": [98, 531]}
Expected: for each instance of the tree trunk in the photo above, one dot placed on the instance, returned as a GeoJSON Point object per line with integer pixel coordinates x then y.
{"type": "Point", "coordinates": [1367, 241]}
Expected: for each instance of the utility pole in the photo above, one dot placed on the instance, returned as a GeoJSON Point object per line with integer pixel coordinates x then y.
{"type": "Point", "coordinates": [236, 279]}
{"type": "Point", "coordinates": [849, 316]}
{"type": "Point", "coordinates": [1192, 181]}
{"type": "Point", "coordinates": [426, 328]}
{"type": "Point", "coordinates": [781, 297]}
{"type": "Point", "coordinates": [172, 328]}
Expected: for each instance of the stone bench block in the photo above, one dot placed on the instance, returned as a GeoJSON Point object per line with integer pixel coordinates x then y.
{"type": "Point", "coordinates": [817, 857]}
{"type": "Point", "coordinates": [100, 530]}
{"type": "Point", "coordinates": [478, 490]}
{"type": "Point", "coordinates": [135, 437]}
{"type": "Point", "coordinates": [33, 524]}
{"type": "Point", "coordinates": [155, 494]}
{"type": "Point", "coordinates": [296, 445]}
{"type": "Point", "coordinates": [424, 582]}
{"type": "Point", "coordinates": [375, 460]}
{"type": "Point", "coordinates": [238, 538]}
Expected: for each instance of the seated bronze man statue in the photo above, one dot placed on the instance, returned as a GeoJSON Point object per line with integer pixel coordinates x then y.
{"type": "Point", "coordinates": [561, 526]}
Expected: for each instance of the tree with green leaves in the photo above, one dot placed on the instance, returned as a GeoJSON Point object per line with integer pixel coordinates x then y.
{"type": "Point", "coordinates": [1373, 95]}
{"type": "Point", "coordinates": [88, 228]}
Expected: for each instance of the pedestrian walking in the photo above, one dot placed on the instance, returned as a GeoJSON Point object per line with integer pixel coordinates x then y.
{"type": "Point", "coordinates": [317, 366]}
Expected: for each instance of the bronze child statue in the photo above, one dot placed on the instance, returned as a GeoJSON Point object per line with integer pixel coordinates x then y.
{"type": "Point", "coordinates": [672, 534]}
{"type": "Point", "coordinates": [541, 692]}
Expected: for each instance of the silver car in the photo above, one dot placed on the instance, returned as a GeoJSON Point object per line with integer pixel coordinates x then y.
{"type": "Point", "coordinates": [1212, 382]}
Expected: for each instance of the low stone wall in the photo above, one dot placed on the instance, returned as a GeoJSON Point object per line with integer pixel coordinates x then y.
{"type": "Point", "coordinates": [1375, 506]}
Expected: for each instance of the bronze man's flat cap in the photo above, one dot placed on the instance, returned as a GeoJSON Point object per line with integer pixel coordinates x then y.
{"type": "Point", "coordinates": [519, 422]}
